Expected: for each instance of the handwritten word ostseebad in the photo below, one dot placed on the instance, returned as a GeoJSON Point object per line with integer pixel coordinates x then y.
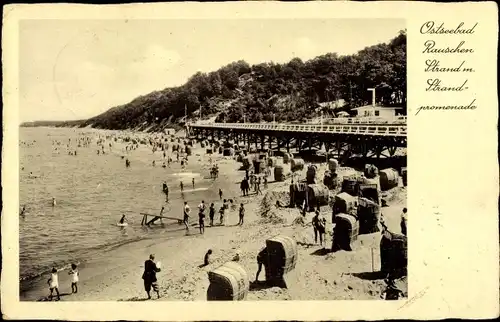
{"type": "Point", "coordinates": [430, 27]}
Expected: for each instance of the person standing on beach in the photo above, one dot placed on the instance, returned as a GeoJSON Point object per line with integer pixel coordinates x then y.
{"type": "Point", "coordinates": [221, 214]}
{"type": "Point", "coordinates": [201, 215]}
{"type": "Point", "coordinates": [242, 215]}
{"type": "Point", "coordinates": [220, 194]}
{"type": "Point", "coordinates": [212, 214]}
{"type": "Point", "coordinates": [149, 276]}
{"type": "Point", "coordinates": [261, 261]}
{"type": "Point", "coordinates": [257, 185]}
{"type": "Point", "coordinates": [74, 278]}
{"type": "Point", "coordinates": [225, 205]}
{"type": "Point", "coordinates": [242, 187]}
{"type": "Point", "coordinates": [187, 210]}
{"type": "Point", "coordinates": [193, 182]}
{"type": "Point", "coordinates": [54, 284]}
{"type": "Point", "coordinates": [404, 218]}
{"type": "Point", "coordinates": [182, 186]}
{"type": "Point", "coordinates": [165, 190]}
{"type": "Point", "coordinates": [53, 202]}
{"type": "Point", "coordinates": [304, 208]}
{"type": "Point", "coordinates": [318, 226]}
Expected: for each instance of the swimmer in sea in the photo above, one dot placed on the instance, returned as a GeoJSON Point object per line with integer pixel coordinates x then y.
{"type": "Point", "coordinates": [23, 210]}
{"type": "Point", "coordinates": [123, 220]}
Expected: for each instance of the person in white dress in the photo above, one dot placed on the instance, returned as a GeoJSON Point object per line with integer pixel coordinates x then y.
{"type": "Point", "coordinates": [74, 278]}
{"type": "Point", "coordinates": [54, 284]}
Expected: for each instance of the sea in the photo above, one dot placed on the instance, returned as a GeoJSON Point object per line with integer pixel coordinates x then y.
{"type": "Point", "coordinates": [92, 191]}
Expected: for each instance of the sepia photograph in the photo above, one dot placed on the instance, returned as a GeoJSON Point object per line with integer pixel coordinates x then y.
{"type": "Point", "coordinates": [212, 159]}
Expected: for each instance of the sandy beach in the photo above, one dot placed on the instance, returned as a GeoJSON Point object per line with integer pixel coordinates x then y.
{"type": "Point", "coordinates": [319, 274]}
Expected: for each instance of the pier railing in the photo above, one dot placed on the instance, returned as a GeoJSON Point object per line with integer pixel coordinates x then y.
{"type": "Point", "coordinates": [353, 129]}
{"type": "Point", "coordinates": [361, 120]}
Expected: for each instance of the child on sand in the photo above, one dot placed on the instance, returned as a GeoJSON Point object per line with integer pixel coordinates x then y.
{"type": "Point", "coordinates": [74, 278]}
{"type": "Point", "coordinates": [206, 260]}
{"type": "Point", "coordinates": [54, 283]}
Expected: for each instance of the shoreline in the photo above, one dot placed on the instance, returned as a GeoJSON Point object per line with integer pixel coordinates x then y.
{"type": "Point", "coordinates": [317, 276]}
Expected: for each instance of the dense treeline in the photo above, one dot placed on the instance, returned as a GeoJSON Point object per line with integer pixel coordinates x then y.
{"type": "Point", "coordinates": [290, 91]}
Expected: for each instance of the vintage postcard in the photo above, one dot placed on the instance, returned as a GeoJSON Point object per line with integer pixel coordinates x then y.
{"type": "Point", "coordinates": [250, 161]}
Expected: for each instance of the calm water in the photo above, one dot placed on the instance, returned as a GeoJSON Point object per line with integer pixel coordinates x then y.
{"type": "Point", "coordinates": [92, 191]}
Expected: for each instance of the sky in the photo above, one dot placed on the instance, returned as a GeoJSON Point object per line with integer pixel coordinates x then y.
{"type": "Point", "coordinates": [76, 69]}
